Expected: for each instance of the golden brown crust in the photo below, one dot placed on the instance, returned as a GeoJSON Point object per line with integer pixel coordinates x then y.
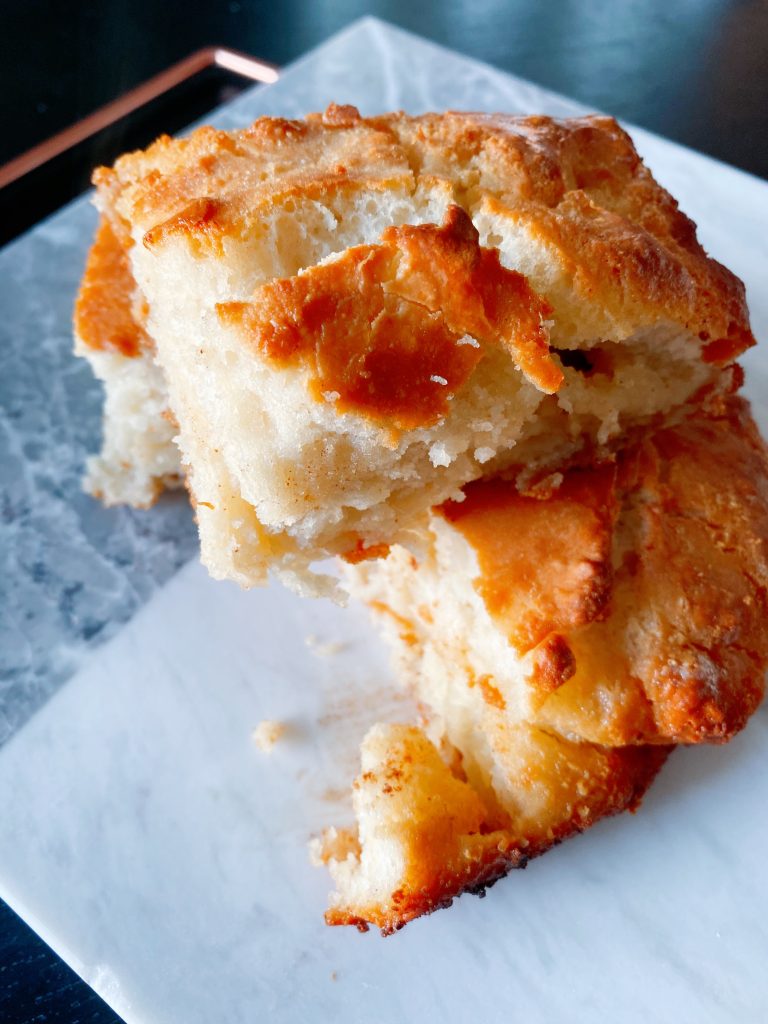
{"type": "Point", "coordinates": [448, 270]}
{"type": "Point", "coordinates": [577, 185]}
{"type": "Point", "coordinates": [201, 220]}
{"type": "Point", "coordinates": [276, 159]}
{"type": "Point", "coordinates": [381, 328]}
{"type": "Point", "coordinates": [449, 841]}
{"type": "Point", "coordinates": [545, 565]}
{"type": "Point", "coordinates": [445, 834]}
{"type": "Point", "coordinates": [670, 646]}
{"type": "Point", "coordinates": [580, 186]}
{"type": "Point", "coordinates": [105, 317]}
{"type": "Point", "coordinates": [704, 569]}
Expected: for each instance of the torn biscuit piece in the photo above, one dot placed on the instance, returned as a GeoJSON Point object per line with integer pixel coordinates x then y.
{"type": "Point", "coordinates": [357, 316]}
{"type": "Point", "coordinates": [562, 642]}
{"type": "Point", "coordinates": [425, 834]}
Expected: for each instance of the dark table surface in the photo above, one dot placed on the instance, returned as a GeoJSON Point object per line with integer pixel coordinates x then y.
{"type": "Point", "coordinates": [696, 72]}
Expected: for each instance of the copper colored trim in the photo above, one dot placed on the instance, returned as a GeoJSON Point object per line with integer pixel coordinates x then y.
{"type": "Point", "coordinates": [212, 56]}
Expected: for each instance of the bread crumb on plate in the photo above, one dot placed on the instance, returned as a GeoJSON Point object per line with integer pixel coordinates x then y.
{"type": "Point", "coordinates": [267, 733]}
{"type": "Point", "coordinates": [324, 649]}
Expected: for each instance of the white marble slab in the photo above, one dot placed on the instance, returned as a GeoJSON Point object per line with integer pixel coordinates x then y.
{"type": "Point", "coordinates": [164, 856]}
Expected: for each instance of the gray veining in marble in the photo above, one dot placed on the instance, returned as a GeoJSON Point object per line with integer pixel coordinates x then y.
{"type": "Point", "coordinates": [71, 572]}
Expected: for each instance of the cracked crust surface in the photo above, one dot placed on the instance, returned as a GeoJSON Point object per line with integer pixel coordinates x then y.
{"type": "Point", "coordinates": [576, 184]}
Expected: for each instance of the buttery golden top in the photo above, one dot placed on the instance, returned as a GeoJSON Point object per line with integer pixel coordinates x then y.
{"type": "Point", "coordinates": [208, 183]}
{"type": "Point", "coordinates": [577, 187]}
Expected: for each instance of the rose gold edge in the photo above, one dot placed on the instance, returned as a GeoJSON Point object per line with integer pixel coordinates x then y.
{"type": "Point", "coordinates": [212, 56]}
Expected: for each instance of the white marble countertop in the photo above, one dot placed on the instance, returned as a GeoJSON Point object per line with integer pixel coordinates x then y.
{"type": "Point", "coordinates": [164, 856]}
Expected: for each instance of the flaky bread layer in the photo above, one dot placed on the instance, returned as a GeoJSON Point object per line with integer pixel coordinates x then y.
{"type": "Point", "coordinates": [561, 642]}
{"type": "Point", "coordinates": [624, 603]}
{"type": "Point", "coordinates": [425, 834]}
{"type": "Point", "coordinates": [238, 243]}
{"type": "Point", "coordinates": [138, 459]}
{"type": "Point", "coordinates": [277, 487]}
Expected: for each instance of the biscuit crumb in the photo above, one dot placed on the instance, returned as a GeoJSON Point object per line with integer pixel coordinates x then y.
{"type": "Point", "coordinates": [323, 649]}
{"type": "Point", "coordinates": [439, 454]}
{"type": "Point", "coordinates": [333, 844]}
{"type": "Point", "coordinates": [267, 733]}
{"type": "Point", "coordinates": [316, 848]}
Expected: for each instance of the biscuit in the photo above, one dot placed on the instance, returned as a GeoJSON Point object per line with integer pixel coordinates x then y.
{"type": "Point", "coordinates": [562, 642]}
{"type": "Point", "coordinates": [355, 317]}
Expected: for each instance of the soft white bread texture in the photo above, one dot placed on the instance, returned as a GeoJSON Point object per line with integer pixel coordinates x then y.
{"type": "Point", "coordinates": [138, 457]}
{"type": "Point", "coordinates": [336, 370]}
{"type": "Point", "coordinates": [562, 641]}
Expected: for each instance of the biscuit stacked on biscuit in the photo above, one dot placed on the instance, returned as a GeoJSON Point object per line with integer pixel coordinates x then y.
{"type": "Point", "coordinates": [486, 361]}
